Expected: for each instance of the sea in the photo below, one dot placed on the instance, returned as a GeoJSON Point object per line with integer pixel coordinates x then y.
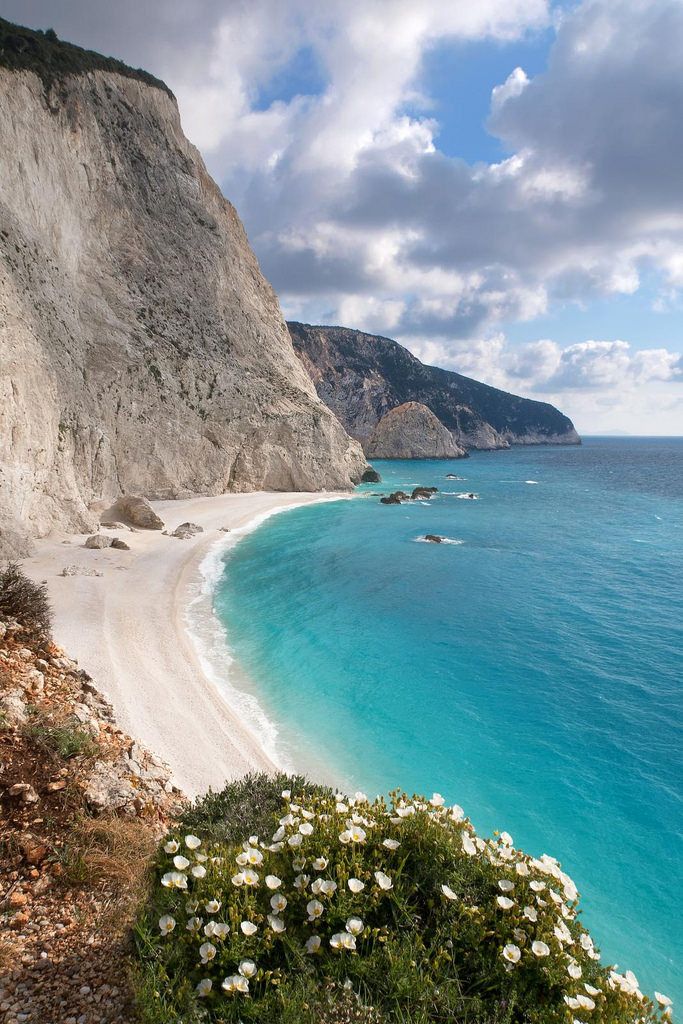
{"type": "Point", "coordinates": [529, 668]}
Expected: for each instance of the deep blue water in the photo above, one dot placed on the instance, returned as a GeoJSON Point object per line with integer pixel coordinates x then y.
{"type": "Point", "coordinates": [531, 673]}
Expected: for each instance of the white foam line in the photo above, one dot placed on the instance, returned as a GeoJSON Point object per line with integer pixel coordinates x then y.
{"type": "Point", "coordinates": [210, 639]}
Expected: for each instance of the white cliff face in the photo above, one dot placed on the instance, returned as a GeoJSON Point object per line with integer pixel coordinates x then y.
{"type": "Point", "coordinates": [141, 349]}
{"type": "Point", "coordinates": [412, 431]}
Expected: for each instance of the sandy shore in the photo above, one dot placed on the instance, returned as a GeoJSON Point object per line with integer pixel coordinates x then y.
{"type": "Point", "coordinates": [128, 629]}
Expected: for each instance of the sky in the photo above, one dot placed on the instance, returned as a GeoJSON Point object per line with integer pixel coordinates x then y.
{"type": "Point", "coordinates": [498, 186]}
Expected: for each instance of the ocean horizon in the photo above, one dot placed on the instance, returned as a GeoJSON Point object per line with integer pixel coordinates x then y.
{"type": "Point", "coordinates": [529, 670]}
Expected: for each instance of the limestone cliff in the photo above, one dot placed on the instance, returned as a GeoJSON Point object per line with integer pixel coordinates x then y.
{"type": "Point", "coordinates": [360, 377]}
{"type": "Point", "coordinates": [412, 431]}
{"type": "Point", "coordinates": [141, 349]}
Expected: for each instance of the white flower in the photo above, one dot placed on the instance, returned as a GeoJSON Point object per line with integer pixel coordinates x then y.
{"type": "Point", "coordinates": [305, 828]}
{"type": "Point", "coordinates": [593, 991]}
{"type": "Point", "coordinates": [276, 923]}
{"type": "Point", "coordinates": [273, 882]}
{"type": "Point", "coordinates": [360, 797]}
{"type": "Point", "coordinates": [468, 845]}
{"type": "Point", "coordinates": [448, 892]}
{"type": "Point", "coordinates": [572, 1002]}
{"type": "Point", "coordinates": [522, 868]}
{"type": "Point", "coordinates": [235, 983]}
{"type": "Point", "coordinates": [278, 902]}
{"type": "Point", "coordinates": [251, 877]}
{"type": "Point", "coordinates": [238, 879]}
{"type": "Point", "coordinates": [198, 871]}
{"type": "Point", "coordinates": [192, 842]}
{"type": "Point", "coordinates": [504, 902]}
{"type": "Point", "coordinates": [354, 926]}
{"type": "Point", "coordinates": [341, 807]}
{"type": "Point", "coordinates": [343, 940]}
{"type": "Point", "coordinates": [355, 884]}
{"type": "Point", "coordinates": [286, 794]}
{"type": "Point", "coordinates": [391, 844]}
{"type": "Point", "coordinates": [295, 840]}
{"type": "Point", "coordinates": [315, 909]}
{"type": "Point", "coordinates": [172, 846]}
{"type": "Point", "coordinates": [207, 951]}
{"type": "Point", "coordinates": [212, 907]}
{"type": "Point", "coordinates": [248, 928]}
{"type": "Point", "coordinates": [301, 881]}
{"type": "Point", "coordinates": [506, 838]}
{"type": "Point", "coordinates": [204, 987]}
{"type": "Point", "coordinates": [537, 886]}
{"type": "Point", "coordinates": [530, 913]}
{"type": "Point", "coordinates": [247, 968]}
{"type": "Point", "coordinates": [279, 835]}
{"type": "Point", "coordinates": [662, 999]}
{"type": "Point", "coordinates": [383, 881]}
{"type": "Point", "coordinates": [209, 929]}
{"type": "Point", "coordinates": [586, 941]}
{"type": "Point", "coordinates": [328, 887]}
{"type": "Point", "coordinates": [254, 856]}
{"type": "Point", "coordinates": [574, 970]}
{"type": "Point", "coordinates": [505, 885]}
{"type": "Point", "coordinates": [585, 1002]}
{"type": "Point", "coordinates": [313, 944]}
{"type": "Point", "coordinates": [221, 930]}
{"type": "Point", "coordinates": [437, 800]}
{"type": "Point", "coordinates": [320, 863]}
{"type": "Point", "coordinates": [511, 953]}
{"type": "Point", "coordinates": [457, 813]}
{"type": "Point", "coordinates": [299, 863]}
{"type": "Point", "coordinates": [166, 924]}
{"type": "Point", "coordinates": [308, 815]}
{"type": "Point", "coordinates": [194, 924]}
{"type": "Point", "coordinates": [539, 948]}
{"type": "Point", "coordinates": [174, 880]}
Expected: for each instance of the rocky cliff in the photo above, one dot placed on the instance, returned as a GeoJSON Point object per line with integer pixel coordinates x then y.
{"type": "Point", "coordinates": [360, 377]}
{"type": "Point", "coordinates": [412, 431]}
{"type": "Point", "coordinates": [141, 349]}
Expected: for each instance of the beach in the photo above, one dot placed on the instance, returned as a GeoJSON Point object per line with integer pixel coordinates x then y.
{"type": "Point", "coordinates": [128, 628]}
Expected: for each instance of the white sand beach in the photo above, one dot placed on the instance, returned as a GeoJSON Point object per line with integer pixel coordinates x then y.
{"type": "Point", "coordinates": [128, 629]}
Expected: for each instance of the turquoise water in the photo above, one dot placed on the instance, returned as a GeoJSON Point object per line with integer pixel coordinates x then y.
{"type": "Point", "coordinates": [531, 673]}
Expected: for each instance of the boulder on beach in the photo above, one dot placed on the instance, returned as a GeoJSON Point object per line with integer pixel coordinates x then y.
{"type": "Point", "coordinates": [98, 541]}
{"type": "Point", "coordinates": [135, 511]}
{"type": "Point", "coordinates": [119, 544]}
{"type": "Point", "coordinates": [187, 530]}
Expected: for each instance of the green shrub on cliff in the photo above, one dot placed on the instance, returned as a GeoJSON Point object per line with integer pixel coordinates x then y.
{"type": "Point", "coordinates": [332, 909]}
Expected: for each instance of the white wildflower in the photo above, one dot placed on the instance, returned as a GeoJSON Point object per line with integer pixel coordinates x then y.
{"type": "Point", "coordinates": [539, 948]}
{"type": "Point", "coordinates": [511, 953]}
{"type": "Point", "coordinates": [166, 924]}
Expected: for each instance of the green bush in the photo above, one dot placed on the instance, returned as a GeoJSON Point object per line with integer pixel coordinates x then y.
{"type": "Point", "coordinates": [66, 741]}
{"type": "Point", "coordinates": [25, 601]}
{"type": "Point", "coordinates": [395, 912]}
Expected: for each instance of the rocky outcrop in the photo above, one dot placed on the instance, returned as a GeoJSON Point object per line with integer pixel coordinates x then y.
{"type": "Point", "coordinates": [412, 431]}
{"type": "Point", "coordinates": [361, 377]}
{"type": "Point", "coordinates": [141, 349]}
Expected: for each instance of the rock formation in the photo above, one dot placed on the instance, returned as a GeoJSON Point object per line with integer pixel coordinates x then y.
{"type": "Point", "coordinates": [361, 377]}
{"type": "Point", "coordinates": [412, 431]}
{"type": "Point", "coordinates": [141, 349]}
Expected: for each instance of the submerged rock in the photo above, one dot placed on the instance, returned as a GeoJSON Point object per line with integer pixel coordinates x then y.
{"type": "Point", "coordinates": [434, 538]}
{"type": "Point", "coordinates": [371, 476]}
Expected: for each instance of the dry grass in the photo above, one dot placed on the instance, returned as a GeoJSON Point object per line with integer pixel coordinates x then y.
{"type": "Point", "coordinates": [110, 854]}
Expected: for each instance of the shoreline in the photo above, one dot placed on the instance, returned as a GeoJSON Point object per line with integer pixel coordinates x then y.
{"type": "Point", "coordinates": [133, 629]}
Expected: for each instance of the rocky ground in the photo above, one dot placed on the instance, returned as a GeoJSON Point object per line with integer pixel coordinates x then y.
{"type": "Point", "coordinates": [81, 809]}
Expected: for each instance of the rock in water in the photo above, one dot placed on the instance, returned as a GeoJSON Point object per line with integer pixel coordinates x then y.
{"type": "Point", "coordinates": [97, 541]}
{"type": "Point", "coordinates": [412, 431]}
{"type": "Point", "coordinates": [423, 492]}
{"type": "Point", "coordinates": [136, 511]}
{"type": "Point", "coordinates": [371, 476]}
{"type": "Point", "coordinates": [142, 349]}
{"type": "Point", "coordinates": [433, 538]}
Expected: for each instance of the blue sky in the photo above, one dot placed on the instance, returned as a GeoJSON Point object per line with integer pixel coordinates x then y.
{"type": "Point", "coordinates": [495, 185]}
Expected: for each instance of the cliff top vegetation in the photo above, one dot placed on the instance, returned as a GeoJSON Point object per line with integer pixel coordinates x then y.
{"type": "Point", "coordinates": [26, 49]}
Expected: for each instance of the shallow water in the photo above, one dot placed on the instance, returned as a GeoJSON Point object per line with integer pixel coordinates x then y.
{"type": "Point", "coordinates": [532, 672]}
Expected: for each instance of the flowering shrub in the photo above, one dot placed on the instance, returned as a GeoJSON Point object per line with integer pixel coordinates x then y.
{"type": "Point", "coordinates": [399, 903]}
